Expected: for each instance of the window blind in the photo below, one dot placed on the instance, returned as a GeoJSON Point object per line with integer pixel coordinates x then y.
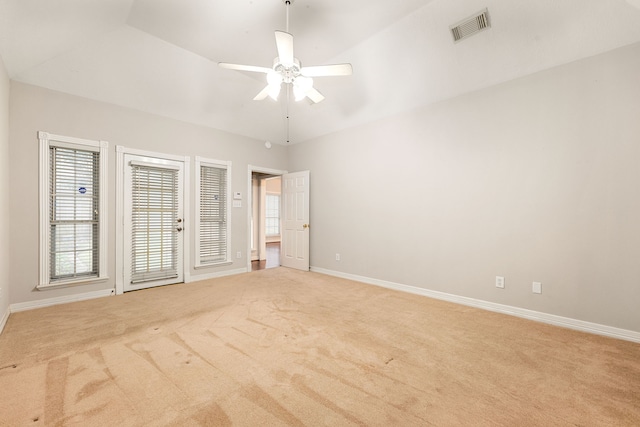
{"type": "Point", "coordinates": [272, 215]}
{"type": "Point", "coordinates": [213, 215]}
{"type": "Point", "coordinates": [73, 213]}
{"type": "Point", "coordinates": [154, 223]}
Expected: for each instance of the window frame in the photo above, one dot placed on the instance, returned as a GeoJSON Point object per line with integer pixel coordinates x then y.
{"type": "Point", "coordinates": [220, 164]}
{"type": "Point", "coordinates": [47, 141]}
{"type": "Point", "coordinates": [267, 217]}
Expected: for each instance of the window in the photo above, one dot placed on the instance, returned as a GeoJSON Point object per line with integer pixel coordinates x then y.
{"type": "Point", "coordinates": [212, 228]}
{"type": "Point", "coordinates": [272, 215]}
{"type": "Point", "coordinates": [72, 229]}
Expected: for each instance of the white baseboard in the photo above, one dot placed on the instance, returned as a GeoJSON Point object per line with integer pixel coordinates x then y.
{"type": "Point", "coordinates": [215, 275]}
{"type": "Point", "coordinates": [552, 319]}
{"type": "Point", "coordinates": [23, 306]}
{"type": "Point", "coordinates": [5, 317]}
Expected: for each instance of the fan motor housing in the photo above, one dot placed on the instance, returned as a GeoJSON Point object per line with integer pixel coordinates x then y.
{"type": "Point", "coordinates": [288, 73]}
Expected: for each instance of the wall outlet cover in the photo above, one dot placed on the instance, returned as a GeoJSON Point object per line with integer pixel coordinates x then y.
{"type": "Point", "coordinates": [537, 288]}
{"type": "Point", "coordinates": [500, 282]}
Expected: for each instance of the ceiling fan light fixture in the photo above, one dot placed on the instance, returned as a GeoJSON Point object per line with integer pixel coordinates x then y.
{"type": "Point", "coordinates": [288, 69]}
{"type": "Point", "coordinates": [274, 78]}
{"type": "Point", "coordinates": [274, 81]}
{"type": "Point", "coordinates": [301, 86]}
{"type": "Point", "coordinates": [274, 91]}
{"type": "Point", "coordinates": [298, 94]}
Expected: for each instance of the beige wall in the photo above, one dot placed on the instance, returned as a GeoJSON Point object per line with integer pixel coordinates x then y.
{"type": "Point", "coordinates": [274, 185]}
{"type": "Point", "coordinates": [5, 222]}
{"type": "Point", "coordinates": [536, 180]}
{"type": "Point", "coordinates": [34, 109]}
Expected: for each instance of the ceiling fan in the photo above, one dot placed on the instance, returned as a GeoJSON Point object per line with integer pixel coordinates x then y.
{"type": "Point", "coordinates": [288, 69]}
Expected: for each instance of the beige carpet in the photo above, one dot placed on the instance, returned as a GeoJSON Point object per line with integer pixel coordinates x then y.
{"type": "Point", "coordinates": [282, 347]}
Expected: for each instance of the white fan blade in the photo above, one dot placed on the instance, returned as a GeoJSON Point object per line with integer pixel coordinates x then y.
{"type": "Point", "coordinates": [314, 95]}
{"type": "Point", "coordinates": [327, 70]}
{"type": "Point", "coordinates": [263, 94]}
{"type": "Point", "coordinates": [284, 43]}
{"type": "Point", "coordinates": [239, 67]}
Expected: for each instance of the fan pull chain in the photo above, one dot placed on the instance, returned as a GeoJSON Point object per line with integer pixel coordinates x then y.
{"type": "Point", "coordinates": [288, 123]}
{"type": "Point", "coordinates": [287, 3]}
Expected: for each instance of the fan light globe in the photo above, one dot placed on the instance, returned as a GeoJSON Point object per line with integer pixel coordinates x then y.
{"type": "Point", "coordinates": [274, 91]}
{"type": "Point", "coordinates": [305, 83]}
{"type": "Point", "coordinates": [301, 86]}
{"type": "Point", "coordinates": [274, 79]}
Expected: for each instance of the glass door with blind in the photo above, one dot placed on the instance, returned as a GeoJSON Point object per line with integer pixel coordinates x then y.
{"type": "Point", "coordinates": [153, 222]}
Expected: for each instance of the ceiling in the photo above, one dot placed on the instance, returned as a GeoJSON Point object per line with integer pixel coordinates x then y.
{"type": "Point", "coordinates": [160, 56]}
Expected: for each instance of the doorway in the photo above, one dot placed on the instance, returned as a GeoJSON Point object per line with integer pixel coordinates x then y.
{"type": "Point", "coordinates": [294, 218]}
{"type": "Point", "coordinates": [150, 239]}
{"type": "Point", "coordinates": [266, 194]}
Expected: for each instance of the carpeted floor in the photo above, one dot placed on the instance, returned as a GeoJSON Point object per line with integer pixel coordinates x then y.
{"type": "Point", "coordinates": [282, 347]}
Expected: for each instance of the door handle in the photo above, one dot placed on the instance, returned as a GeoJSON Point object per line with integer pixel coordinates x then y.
{"type": "Point", "coordinates": [305, 225]}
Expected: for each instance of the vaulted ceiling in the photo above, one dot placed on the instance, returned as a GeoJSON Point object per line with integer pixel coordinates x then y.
{"type": "Point", "coordinates": [160, 56]}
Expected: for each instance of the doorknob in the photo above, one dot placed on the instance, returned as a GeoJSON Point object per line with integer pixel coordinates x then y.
{"type": "Point", "coordinates": [179, 228]}
{"type": "Point", "coordinates": [305, 225]}
{"type": "Point", "coordinates": [179, 220]}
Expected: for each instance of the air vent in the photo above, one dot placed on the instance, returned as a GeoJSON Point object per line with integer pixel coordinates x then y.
{"type": "Point", "coordinates": [470, 26]}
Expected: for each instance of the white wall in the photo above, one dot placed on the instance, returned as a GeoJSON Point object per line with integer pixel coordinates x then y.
{"type": "Point", "coordinates": [34, 109]}
{"type": "Point", "coordinates": [5, 223]}
{"type": "Point", "coordinates": [536, 180]}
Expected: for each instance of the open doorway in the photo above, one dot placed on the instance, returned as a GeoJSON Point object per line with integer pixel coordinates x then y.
{"type": "Point", "coordinates": [266, 192]}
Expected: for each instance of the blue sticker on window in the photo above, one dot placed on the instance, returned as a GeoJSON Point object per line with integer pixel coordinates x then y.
{"type": "Point", "coordinates": [82, 190]}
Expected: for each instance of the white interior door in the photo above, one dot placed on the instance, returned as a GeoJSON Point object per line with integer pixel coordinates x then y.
{"type": "Point", "coordinates": [153, 222]}
{"type": "Point", "coordinates": [295, 221]}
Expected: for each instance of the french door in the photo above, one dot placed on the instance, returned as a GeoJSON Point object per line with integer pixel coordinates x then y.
{"type": "Point", "coordinates": [153, 222]}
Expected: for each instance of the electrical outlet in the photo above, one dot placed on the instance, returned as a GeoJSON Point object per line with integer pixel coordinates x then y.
{"type": "Point", "coordinates": [337, 257]}
{"type": "Point", "coordinates": [500, 282]}
{"type": "Point", "coordinates": [537, 288]}
{"type": "Point", "coordinates": [238, 254]}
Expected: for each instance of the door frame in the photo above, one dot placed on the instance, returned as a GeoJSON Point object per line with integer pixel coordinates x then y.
{"type": "Point", "coordinates": [120, 204]}
{"type": "Point", "coordinates": [251, 170]}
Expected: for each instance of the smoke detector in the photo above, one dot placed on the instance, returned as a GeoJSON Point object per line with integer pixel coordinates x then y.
{"type": "Point", "coordinates": [470, 26]}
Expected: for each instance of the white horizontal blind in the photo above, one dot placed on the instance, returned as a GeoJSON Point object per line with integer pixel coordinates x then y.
{"type": "Point", "coordinates": [213, 215]}
{"type": "Point", "coordinates": [73, 213]}
{"type": "Point", "coordinates": [154, 223]}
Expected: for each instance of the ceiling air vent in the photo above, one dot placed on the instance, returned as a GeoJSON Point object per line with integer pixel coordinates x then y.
{"type": "Point", "coordinates": [470, 26]}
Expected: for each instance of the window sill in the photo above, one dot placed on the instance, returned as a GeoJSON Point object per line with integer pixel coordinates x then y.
{"type": "Point", "coordinates": [71, 283]}
{"type": "Point", "coordinates": [213, 264]}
